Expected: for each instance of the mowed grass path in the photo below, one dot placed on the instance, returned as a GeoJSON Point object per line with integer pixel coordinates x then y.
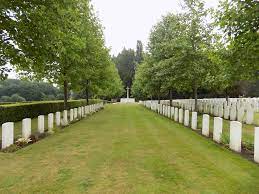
{"type": "Point", "coordinates": [126, 149]}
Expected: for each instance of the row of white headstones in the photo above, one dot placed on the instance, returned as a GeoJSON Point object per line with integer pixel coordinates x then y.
{"type": "Point", "coordinates": [235, 109]}
{"type": "Point", "coordinates": [183, 116]}
{"type": "Point", "coordinates": [75, 114]}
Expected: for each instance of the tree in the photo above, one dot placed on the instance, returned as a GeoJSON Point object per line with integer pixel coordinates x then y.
{"type": "Point", "coordinates": [139, 52]}
{"type": "Point", "coordinates": [180, 48]}
{"type": "Point", "coordinates": [239, 21]}
{"type": "Point", "coordinates": [125, 63]}
{"type": "Point", "coordinates": [181, 45]}
{"type": "Point", "coordinates": [63, 42]}
{"type": "Point", "coordinates": [148, 82]}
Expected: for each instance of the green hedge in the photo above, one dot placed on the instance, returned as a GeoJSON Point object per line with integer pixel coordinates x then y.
{"type": "Point", "coordinates": [18, 111]}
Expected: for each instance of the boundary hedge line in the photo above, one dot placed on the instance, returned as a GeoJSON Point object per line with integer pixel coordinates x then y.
{"type": "Point", "coordinates": [18, 111]}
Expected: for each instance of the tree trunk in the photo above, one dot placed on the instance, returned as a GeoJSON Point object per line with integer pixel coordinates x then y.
{"type": "Point", "coordinates": [171, 97]}
{"type": "Point", "coordinates": [87, 92]}
{"type": "Point", "coordinates": [87, 95]}
{"type": "Point", "coordinates": [195, 92]}
{"type": "Point", "coordinates": [65, 94]}
{"type": "Point", "coordinates": [226, 95]}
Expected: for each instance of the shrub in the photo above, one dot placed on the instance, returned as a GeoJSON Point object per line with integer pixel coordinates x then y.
{"type": "Point", "coordinates": [17, 98]}
{"type": "Point", "coordinates": [17, 112]}
{"type": "Point", "coordinates": [5, 99]}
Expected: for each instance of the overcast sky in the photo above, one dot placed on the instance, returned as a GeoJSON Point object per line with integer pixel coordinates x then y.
{"type": "Point", "coordinates": [126, 21]}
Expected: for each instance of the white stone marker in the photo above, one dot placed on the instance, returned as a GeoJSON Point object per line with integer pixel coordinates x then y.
{"type": "Point", "coordinates": [7, 134]}
{"type": "Point", "coordinates": [235, 136]}
{"type": "Point", "coordinates": [169, 112]}
{"type": "Point", "coordinates": [240, 114]}
{"type": "Point", "coordinates": [26, 128]}
{"type": "Point", "coordinates": [41, 124]}
{"type": "Point", "coordinates": [194, 120]}
{"type": "Point", "coordinates": [221, 110]}
{"type": "Point", "coordinates": [172, 112]}
{"type": "Point", "coordinates": [233, 113]}
{"type": "Point", "coordinates": [71, 113]}
{"type": "Point", "coordinates": [186, 118]}
{"type": "Point", "coordinates": [75, 113]}
{"type": "Point", "coordinates": [216, 110]}
{"type": "Point", "coordinates": [83, 111]}
{"type": "Point", "coordinates": [180, 115]}
{"type": "Point", "coordinates": [79, 112]}
{"type": "Point", "coordinates": [176, 114]}
{"type": "Point", "coordinates": [256, 145]}
{"type": "Point", "coordinates": [65, 122]}
{"type": "Point", "coordinates": [226, 112]}
{"type": "Point", "coordinates": [206, 125]}
{"type": "Point", "coordinates": [217, 129]}
{"type": "Point", "coordinates": [250, 116]}
{"type": "Point", "coordinates": [58, 116]}
{"type": "Point", "coordinates": [50, 121]}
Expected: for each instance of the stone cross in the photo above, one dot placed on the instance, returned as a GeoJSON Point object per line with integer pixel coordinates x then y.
{"type": "Point", "coordinates": [128, 92]}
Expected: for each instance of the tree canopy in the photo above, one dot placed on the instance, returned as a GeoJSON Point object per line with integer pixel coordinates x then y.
{"type": "Point", "coordinates": [66, 46]}
{"type": "Point", "coordinates": [187, 52]}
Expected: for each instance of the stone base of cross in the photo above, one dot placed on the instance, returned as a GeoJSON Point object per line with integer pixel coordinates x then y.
{"type": "Point", "coordinates": [128, 99]}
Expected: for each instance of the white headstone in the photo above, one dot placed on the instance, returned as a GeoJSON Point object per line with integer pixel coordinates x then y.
{"type": "Point", "coordinates": [71, 113]}
{"type": "Point", "coordinates": [256, 145]}
{"type": "Point", "coordinates": [217, 130]}
{"type": "Point", "coordinates": [79, 112]}
{"type": "Point", "coordinates": [41, 124]}
{"type": "Point", "coordinates": [206, 125]}
{"type": "Point", "coordinates": [26, 128]}
{"type": "Point", "coordinates": [50, 121]}
{"type": "Point", "coordinates": [180, 115]}
{"type": "Point", "coordinates": [250, 116]}
{"type": "Point", "coordinates": [83, 111]}
{"type": "Point", "coordinates": [235, 136]}
{"type": "Point", "coordinates": [194, 120]}
{"type": "Point", "coordinates": [86, 110]}
{"type": "Point", "coordinates": [58, 116]}
{"type": "Point", "coordinates": [240, 113]}
{"type": "Point", "coordinates": [221, 111]}
{"type": "Point", "coordinates": [7, 134]}
{"type": "Point", "coordinates": [176, 114]}
{"type": "Point", "coordinates": [164, 110]}
{"type": "Point", "coordinates": [216, 110]}
{"type": "Point", "coordinates": [75, 113]}
{"type": "Point", "coordinates": [186, 118]}
{"type": "Point", "coordinates": [172, 112]}
{"type": "Point", "coordinates": [65, 122]}
{"type": "Point", "coordinates": [168, 111]}
{"type": "Point", "coordinates": [226, 112]}
{"type": "Point", "coordinates": [233, 113]}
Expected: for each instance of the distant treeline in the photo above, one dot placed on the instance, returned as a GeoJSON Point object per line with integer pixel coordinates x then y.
{"type": "Point", "coordinates": [12, 90]}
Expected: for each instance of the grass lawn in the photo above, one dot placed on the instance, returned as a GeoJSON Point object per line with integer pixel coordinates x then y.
{"type": "Point", "coordinates": [126, 149]}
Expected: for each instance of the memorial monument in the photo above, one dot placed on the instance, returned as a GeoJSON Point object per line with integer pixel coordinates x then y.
{"type": "Point", "coordinates": [128, 99]}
